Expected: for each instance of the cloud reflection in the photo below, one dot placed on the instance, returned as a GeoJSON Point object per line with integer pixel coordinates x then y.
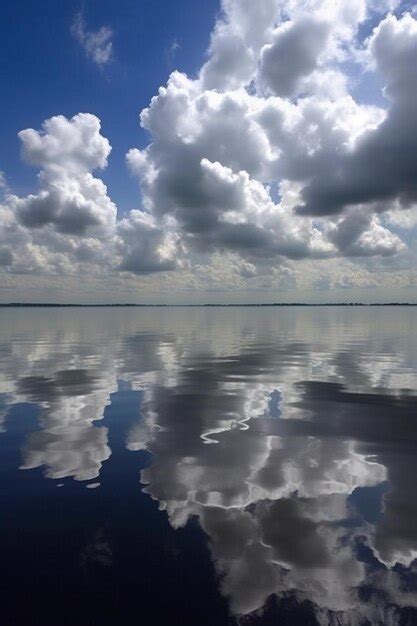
{"type": "Point", "coordinates": [265, 426]}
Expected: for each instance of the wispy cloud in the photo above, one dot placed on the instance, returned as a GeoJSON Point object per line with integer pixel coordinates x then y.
{"type": "Point", "coordinates": [4, 188]}
{"type": "Point", "coordinates": [171, 53]}
{"type": "Point", "coordinates": [98, 44]}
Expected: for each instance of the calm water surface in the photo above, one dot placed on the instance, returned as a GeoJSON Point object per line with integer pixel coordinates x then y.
{"type": "Point", "coordinates": [208, 467]}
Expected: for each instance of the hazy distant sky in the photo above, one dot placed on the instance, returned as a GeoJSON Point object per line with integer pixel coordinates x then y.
{"type": "Point", "coordinates": [190, 151]}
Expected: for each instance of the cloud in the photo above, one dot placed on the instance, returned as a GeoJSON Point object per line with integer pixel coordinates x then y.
{"type": "Point", "coordinates": [196, 171]}
{"type": "Point", "coordinates": [293, 54]}
{"type": "Point", "coordinates": [66, 146]}
{"type": "Point", "coordinates": [97, 45]}
{"type": "Point", "coordinates": [145, 247]}
{"type": "Point", "coordinates": [71, 199]}
{"type": "Point", "coordinates": [360, 233]}
{"type": "Point", "coordinates": [220, 144]}
{"type": "Point", "coordinates": [70, 223]}
{"type": "Point", "coordinates": [171, 53]}
{"type": "Point", "coordinates": [235, 43]}
{"type": "Point", "coordinates": [6, 256]}
{"type": "Point", "coordinates": [380, 166]}
{"type": "Point", "coordinates": [4, 187]}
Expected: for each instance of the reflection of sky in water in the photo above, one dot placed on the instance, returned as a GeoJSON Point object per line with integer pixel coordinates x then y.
{"type": "Point", "coordinates": [288, 436]}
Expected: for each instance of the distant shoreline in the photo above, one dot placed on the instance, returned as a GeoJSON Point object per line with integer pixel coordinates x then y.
{"type": "Point", "coordinates": [50, 305]}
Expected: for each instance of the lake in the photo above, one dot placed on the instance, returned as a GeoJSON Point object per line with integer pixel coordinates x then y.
{"type": "Point", "coordinates": [208, 466]}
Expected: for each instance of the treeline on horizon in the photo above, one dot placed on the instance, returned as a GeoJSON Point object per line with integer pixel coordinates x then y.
{"type": "Point", "coordinates": [272, 304]}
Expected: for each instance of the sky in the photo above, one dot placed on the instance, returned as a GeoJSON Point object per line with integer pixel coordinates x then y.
{"type": "Point", "coordinates": [218, 151]}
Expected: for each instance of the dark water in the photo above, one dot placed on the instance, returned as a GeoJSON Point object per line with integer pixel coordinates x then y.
{"type": "Point", "coordinates": [208, 466]}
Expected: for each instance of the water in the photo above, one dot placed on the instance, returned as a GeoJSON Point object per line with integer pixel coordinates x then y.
{"type": "Point", "coordinates": [208, 466]}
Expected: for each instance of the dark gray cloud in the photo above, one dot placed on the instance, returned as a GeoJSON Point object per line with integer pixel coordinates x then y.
{"type": "Point", "coordinates": [70, 215]}
{"type": "Point", "coordinates": [295, 539]}
{"type": "Point", "coordinates": [6, 256]}
{"type": "Point", "coordinates": [66, 383]}
{"type": "Point", "coordinates": [382, 164]}
{"type": "Point", "coordinates": [146, 247]}
{"type": "Point", "coordinates": [359, 233]}
{"type": "Point", "coordinates": [293, 54]}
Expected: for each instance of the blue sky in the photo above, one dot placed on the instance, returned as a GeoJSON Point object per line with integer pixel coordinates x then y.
{"type": "Point", "coordinates": [47, 73]}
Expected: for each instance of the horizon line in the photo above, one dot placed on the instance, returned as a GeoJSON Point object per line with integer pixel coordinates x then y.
{"type": "Point", "coordinates": [188, 305]}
